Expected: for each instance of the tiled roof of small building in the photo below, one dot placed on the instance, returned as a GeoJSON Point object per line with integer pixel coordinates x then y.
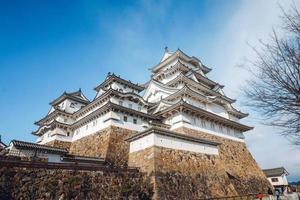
{"type": "Point", "coordinates": [275, 171]}
{"type": "Point", "coordinates": [33, 146]}
{"type": "Point", "coordinates": [83, 159]}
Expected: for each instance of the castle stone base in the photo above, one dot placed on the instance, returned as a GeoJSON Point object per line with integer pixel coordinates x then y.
{"type": "Point", "coordinates": [52, 184]}
{"type": "Point", "coordinates": [178, 174]}
{"type": "Point", "coordinates": [181, 174]}
{"type": "Point", "coordinates": [108, 143]}
{"type": "Point", "coordinates": [59, 144]}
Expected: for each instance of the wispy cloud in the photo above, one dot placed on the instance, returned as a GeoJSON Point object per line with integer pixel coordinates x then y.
{"type": "Point", "coordinates": [253, 21]}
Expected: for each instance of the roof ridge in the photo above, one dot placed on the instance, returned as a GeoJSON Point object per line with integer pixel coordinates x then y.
{"type": "Point", "coordinates": [26, 144]}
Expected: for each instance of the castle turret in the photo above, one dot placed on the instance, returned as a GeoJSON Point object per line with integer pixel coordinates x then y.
{"type": "Point", "coordinates": [55, 127]}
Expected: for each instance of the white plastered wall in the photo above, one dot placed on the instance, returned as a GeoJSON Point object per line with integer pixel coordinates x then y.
{"type": "Point", "coordinates": [110, 119]}
{"type": "Point", "coordinates": [282, 180]}
{"type": "Point", "coordinates": [30, 153]}
{"type": "Point", "coordinates": [172, 143]}
{"type": "Point", "coordinates": [182, 119]}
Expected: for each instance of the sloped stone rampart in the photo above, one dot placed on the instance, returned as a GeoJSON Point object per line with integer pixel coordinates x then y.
{"type": "Point", "coordinates": [118, 148]}
{"type": "Point", "coordinates": [59, 144]}
{"type": "Point", "coordinates": [92, 145]}
{"type": "Point", "coordinates": [233, 172]}
{"type": "Point", "coordinates": [108, 143]}
{"type": "Point", "coordinates": [143, 159]}
{"type": "Point", "coordinates": [38, 184]}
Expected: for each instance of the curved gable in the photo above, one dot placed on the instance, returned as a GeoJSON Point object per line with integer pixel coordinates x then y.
{"type": "Point", "coordinates": [157, 91]}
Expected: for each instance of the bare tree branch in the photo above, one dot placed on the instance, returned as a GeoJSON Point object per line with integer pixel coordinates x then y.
{"type": "Point", "coordinates": [274, 91]}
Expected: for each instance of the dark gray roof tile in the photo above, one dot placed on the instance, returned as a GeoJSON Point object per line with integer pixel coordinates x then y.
{"type": "Point", "coordinates": [33, 146]}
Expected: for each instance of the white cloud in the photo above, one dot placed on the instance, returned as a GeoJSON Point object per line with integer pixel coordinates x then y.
{"type": "Point", "coordinates": [253, 21]}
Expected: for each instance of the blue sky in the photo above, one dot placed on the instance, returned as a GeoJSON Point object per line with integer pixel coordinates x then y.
{"type": "Point", "coordinates": [47, 47]}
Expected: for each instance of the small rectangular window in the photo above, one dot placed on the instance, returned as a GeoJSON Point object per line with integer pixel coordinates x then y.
{"type": "Point", "coordinates": [135, 121]}
{"type": "Point", "coordinates": [121, 103]}
{"type": "Point", "coordinates": [125, 118]}
{"type": "Point", "coordinates": [274, 179]}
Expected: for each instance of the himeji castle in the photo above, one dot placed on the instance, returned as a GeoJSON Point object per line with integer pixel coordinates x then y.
{"type": "Point", "coordinates": [179, 94]}
{"type": "Point", "coordinates": [178, 124]}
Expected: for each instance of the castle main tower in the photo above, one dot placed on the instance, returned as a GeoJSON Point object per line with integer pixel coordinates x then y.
{"type": "Point", "coordinates": [179, 128]}
{"type": "Point", "coordinates": [203, 153]}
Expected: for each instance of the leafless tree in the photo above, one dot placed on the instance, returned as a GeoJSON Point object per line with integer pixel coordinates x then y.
{"type": "Point", "coordinates": [274, 90]}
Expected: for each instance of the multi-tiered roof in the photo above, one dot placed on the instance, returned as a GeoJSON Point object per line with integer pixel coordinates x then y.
{"type": "Point", "coordinates": [179, 84]}
{"type": "Point", "coordinates": [60, 114]}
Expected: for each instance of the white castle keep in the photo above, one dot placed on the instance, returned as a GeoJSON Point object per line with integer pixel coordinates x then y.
{"type": "Point", "coordinates": [179, 94]}
{"type": "Point", "coordinates": [179, 129]}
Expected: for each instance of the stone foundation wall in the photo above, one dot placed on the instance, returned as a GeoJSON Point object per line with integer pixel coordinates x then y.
{"type": "Point", "coordinates": [59, 144]}
{"type": "Point", "coordinates": [118, 148]}
{"type": "Point", "coordinates": [143, 160]}
{"type": "Point", "coordinates": [187, 175]}
{"type": "Point", "coordinates": [108, 143]}
{"type": "Point", "coordinates": [236, 160]}
{"type": "Point", "coordinates": [20, 183]}
{"type": "Point", "coordinates": [92, 145]}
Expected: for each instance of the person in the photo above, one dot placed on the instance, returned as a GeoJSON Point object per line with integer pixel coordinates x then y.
{"type": "Point", "coordinates": [270, 193]}
{"type": "Point", "coordinates": [289, 194]}
{"type": "Point", "coordinates": [260, 196]}
{"type": "Point", "coordinates": [277, 194]}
